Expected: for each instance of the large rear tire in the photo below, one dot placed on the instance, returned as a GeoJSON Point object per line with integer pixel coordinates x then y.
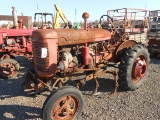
{"type": "Point", "coordinates": [9, 68]}
{"type": "Point", "coordinates": [66, 103]}
{"type": "Point", "coordinates": [133, 67]}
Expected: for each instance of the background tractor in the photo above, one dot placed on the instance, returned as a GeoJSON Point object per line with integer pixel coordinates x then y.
{"type": "Point", "coordinates": [14, 41]}
{"type": "Point", "coordinates": [62, 55]}
{"type": "Point", "coordinates": [40, 19]}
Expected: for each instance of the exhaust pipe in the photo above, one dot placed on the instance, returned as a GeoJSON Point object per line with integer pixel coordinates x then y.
{"type": "Point", "coordinates": [15, 18]}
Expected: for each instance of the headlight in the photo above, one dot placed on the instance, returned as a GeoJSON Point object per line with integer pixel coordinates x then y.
{"type": "Point", "coordinates": [3, 45]}
{"type": "Point", "coordinates": [61, 65]}
{"type": "Point", "coordinates": [43, 52]}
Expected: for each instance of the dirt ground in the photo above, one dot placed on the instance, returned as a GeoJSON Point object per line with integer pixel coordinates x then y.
{"type": "Point", "coordinates": [141, 104]}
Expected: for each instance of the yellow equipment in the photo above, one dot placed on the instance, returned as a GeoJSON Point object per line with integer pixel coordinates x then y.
{"type": "Point", "coordinates": [8, 25]}
{"type": "Point", "coordinates": [59, 13]}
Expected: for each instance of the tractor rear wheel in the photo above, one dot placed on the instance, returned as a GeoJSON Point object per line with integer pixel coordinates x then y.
{"type": "Point", "coordinates": [66, 103]}
{"type": "Point", "coordinates": [9, 68]}
{"type": "Point", "coordinates": [133, 67]}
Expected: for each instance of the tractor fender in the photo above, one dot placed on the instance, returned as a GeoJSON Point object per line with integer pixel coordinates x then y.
{"type": "Point", "coordinates": [125, 44]}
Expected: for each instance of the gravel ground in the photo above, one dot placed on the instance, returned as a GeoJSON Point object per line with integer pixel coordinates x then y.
{"type": "Point", "coordinates": [142, 104]}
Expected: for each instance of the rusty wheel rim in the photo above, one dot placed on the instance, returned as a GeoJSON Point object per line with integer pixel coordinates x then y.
{"type": "Point", "coordinates": [8, 70]}
{"type": "Point", "coordinates": [139, 69]}
{"type": "Point", "coordinates": [65, 108]}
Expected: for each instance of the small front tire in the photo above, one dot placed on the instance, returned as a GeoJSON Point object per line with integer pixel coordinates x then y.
{"type": "Point", "coordinates": [66, 103]}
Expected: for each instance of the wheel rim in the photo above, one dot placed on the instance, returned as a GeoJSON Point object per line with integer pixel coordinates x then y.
{"type": "Point", "coordinates": [65, 108]}
{"type": "Point", "coordinates": [8, 70]}
{"type": "Point", "coordinates": [139, 69]}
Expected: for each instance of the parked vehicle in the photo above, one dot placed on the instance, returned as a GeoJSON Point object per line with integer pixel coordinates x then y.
{"type": "Point", "coordinates": [14, 41]}
{"type": "Point", "coordinates": [62, 55]}
{"type": "Point", "coordinates": [154, 33]}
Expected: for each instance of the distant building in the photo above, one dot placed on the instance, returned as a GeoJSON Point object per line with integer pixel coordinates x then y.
{"type": "Point", "coordinates": [27, 20]}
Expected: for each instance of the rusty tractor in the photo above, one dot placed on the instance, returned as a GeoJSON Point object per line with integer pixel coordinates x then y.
{"type": "Point", "coordinates": [14, 41]}
{"type": "Point", "coordinates": [62, 55]}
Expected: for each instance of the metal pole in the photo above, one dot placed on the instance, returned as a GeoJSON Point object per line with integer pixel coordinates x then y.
{"type": "Point", "coordinates": [37, 5]}
{"type": "Point", "coordinates": [75, 14]}
{"type": "Point", "coordinates": [37, 9]}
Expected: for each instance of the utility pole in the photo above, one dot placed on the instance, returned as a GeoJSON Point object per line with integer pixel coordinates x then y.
{"type": "Point", "coordinates": [37, 5]}
{"type": "Point", "coordinates": [37, 9]}
{"type": "Point", "coordinates": [146, 5]}
{"type": "Point", "coordinates": [75, 14]}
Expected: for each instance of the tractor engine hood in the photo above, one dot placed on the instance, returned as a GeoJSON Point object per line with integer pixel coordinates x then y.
{"type": "Point", "coordinates": [71, 36]}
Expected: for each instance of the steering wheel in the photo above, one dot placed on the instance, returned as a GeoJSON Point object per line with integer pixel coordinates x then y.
{"type": "Point", "coordinates": [105, 24]}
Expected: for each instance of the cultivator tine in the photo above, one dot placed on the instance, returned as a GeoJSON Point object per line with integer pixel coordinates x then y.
{"type": "Point", "coordinates": [77, 85]}
{"type": "Point", "coordinates": [114, 92]}
{"type": "Point", "coordinates": [96, 87]}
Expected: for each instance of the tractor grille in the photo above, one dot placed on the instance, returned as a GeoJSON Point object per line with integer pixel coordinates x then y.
{"type": "Point", "coordinates": [42, 64]}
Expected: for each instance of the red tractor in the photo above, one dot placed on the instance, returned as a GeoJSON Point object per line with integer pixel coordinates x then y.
{"type": "Point", "coordinates": [62, 55]}
{"type": "Point", "coordinates": [16, 41]}
{"type": "Point", "coordinates": [13, 42]}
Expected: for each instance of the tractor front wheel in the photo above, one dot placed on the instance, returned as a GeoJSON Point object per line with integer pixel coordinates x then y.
{"type": "Point", "coordinates": [66, 103]}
